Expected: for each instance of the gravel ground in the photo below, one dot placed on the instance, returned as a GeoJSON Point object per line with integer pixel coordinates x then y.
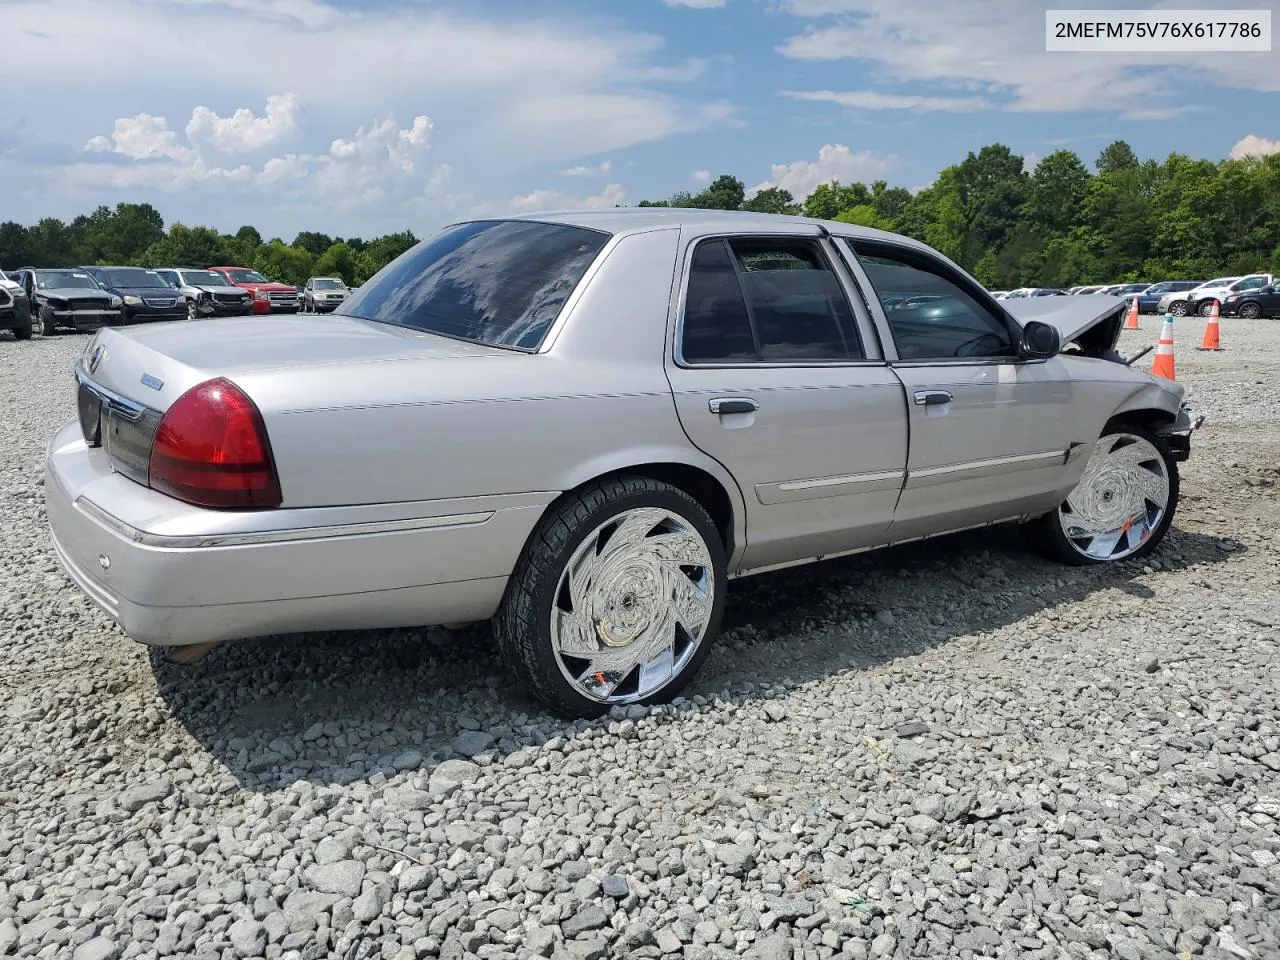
{"type": "Point", "coordinates": [958, 750]}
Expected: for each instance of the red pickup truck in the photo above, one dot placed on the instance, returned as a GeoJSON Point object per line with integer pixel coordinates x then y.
{"type": "Point", "coordinates": [268, 296]}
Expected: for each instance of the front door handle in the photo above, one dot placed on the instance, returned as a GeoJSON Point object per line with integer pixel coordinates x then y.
{"type": "Point", "coordinates": [929, 398]}
{"type": "Point", "coordinates": [723, 405]}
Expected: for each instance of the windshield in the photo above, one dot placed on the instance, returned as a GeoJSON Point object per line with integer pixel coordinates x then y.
{"type": "Point", "coordinates": [1220, 282]}
{"type": "Point", "coordinates": [497, 282]}
{"type": "Point", "coordinates": [133, 277]}
{"type": "Point", "coordinates": [247, 276]}
{"type": "Point", "coordinates": [326, 284]}
{"type": "Point", "coordinates": [65, 280]}
{"type": "Point", "coordinates": [202, 278]}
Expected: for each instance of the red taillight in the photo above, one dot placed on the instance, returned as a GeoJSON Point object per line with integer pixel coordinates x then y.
{"type": "Point", "coordinates": [211, 449]}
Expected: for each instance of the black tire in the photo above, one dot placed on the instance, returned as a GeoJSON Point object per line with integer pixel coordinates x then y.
{"type": "Point", "coordinates": [1250, 311]}
{"type": "Point", "coordinates": [1046, 533]}
{"type": "Point", "coordinates": [48, 323]}
{"type": "Point", "coordinates": [1205, 308]}
{"type": "Point", "coordinates": [192, 313]}
{"type": "Point", "coordinates": [523, 622]}
{"type": "Point", "coordinates": [23, 332]}
{"type": "Point", "coordinates": [1178, 308]}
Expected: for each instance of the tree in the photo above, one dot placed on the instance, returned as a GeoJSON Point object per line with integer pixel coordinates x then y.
{"type": "Point", "coordinates": [312, 242]}
{"type": "Point", "coordinates": [338, 261]}
{"type": "Point", "coordinates": [286, 264]}
{"type": "Point", "coordinates": [1056, 192]}
{"type": "Point", "coordinates": [771, 200]}
{"type": "Point", "coordinates": [726, 192]}
{"type": "Point", "coordinates": [864, 215]}
{"type": "Point", "coordinates": [1115, 157]}
{"type": "Point", "coordinates": [382, 251]}
{"type": "Point", "coordinates": [828, 199]}
{"type": "Point", "coordinates": [185, 246]}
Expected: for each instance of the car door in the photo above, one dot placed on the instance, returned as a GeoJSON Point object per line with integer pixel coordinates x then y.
{"type": "Point", "coordinates": [990, 434]}
{"type": "Point", "coordinates": [776, 374]}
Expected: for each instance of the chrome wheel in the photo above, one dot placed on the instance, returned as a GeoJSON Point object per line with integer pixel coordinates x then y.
{"type": "Point", "coordinates": [633, 605]}
{"type": "Point", "coordinates": [191, 310]}
{"type": "Point", "coordinates": [1121, 498]}
{"type": "Point", "coordinates": [1179, 309]}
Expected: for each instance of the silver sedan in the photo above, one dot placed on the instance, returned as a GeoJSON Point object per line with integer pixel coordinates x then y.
{"type": "Point", "coordinates": [581, 426]}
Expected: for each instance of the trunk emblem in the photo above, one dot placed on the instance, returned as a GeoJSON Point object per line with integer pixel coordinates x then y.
{"type": "Point", "coordinates": [96, 357]}
{"type": "Point", "coordinates": [155, 383]}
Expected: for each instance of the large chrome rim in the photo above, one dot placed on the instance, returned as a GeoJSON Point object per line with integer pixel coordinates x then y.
{"type": "Point", "coordinates": [1179, 309]}
{"type": "Point", "coordinates": [1120, 500]}
{"type": "Point", "coordinates": [633, 605]}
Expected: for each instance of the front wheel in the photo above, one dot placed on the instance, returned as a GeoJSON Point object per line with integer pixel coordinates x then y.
{"type": "Point", "coordinates": [1251, 311]}
{"type": "Point", "coordinates": [1206, 308]}
{"type": "Point", "coordinates": [616, 599]}
{"type": "Point", "coordinates": [1178, 308]}
{"type": "Point", "coordinates": [1122, 507]}
{"type": "Point", "coordinates": [192, 313]}
{"type": "Point", "coordinates": [48, 323]}
{"type": "Point", "coordinates": [23, 332]}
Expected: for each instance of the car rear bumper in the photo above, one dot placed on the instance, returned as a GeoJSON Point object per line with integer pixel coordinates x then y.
{"type": "Point", "coordinates": [171, 574]}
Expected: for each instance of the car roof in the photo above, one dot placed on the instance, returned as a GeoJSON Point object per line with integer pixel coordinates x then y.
{"type": "Point", "coordinates": [623, 220]}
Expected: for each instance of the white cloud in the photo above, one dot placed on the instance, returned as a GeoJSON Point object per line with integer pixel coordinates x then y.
{"type": "Point", "coordinates": [142, 137]}
{"type": "Point", "coordinates": [1254, 146]}
{"type": "Point", "coordinates": [835, 162]}
{"type": "Point", "coordinates": [700, 176]}
{"type": "Point", "coordinates": [983, 50]}
{"type": "Point", "coordinates": [165, 177]}
{"type": "Point", "coordinates": [439, 177]}
{"type": "Point", "coordinates": [874, 100]}
{"type": "Point", "coordinates": [1030, 162]}
{"type": "Point", "coordinates": [611, 196]}
{"type": "Point", "coordinates": [581, 170]}
{"type": "Point", "coordinates": [697, 4]}
{"type": "Point", "coordinates": [243, 132]}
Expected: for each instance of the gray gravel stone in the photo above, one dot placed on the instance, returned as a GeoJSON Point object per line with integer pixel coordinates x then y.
{"type": "Point", "coordinates": [97, 948]}
{"type": "Point", "coordinates": [342, 878]}
{"type": "Point", "coordinates": [135, 798]}
{"type": "Point", "coordinates": [248, 938]}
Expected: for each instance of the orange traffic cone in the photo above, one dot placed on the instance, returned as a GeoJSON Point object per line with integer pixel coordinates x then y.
{"type": "Point", "coordinates": [1212, 337]}
{"type": "Point", "coordinates": [1163, 365]}
{"type": "Point", "coordinates": [1131, 321]}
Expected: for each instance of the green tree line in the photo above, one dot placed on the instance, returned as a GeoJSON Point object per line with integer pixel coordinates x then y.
{"type": "Point", "coordinates": [1126, 220]}
{"type": "Point", "coordinates": [1063, 224]}
{"type": "Point", "coordinates": [135, 234]}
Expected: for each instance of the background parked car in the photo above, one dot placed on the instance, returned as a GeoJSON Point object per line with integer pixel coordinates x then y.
{"type": "Point", "coordinates": [1178, 303]}
{"type": "Point", "coordinates": [146, 296]}
{"type": "Point", "coordinates": [15, 308]}
{"type": "Point", "coordinates": [323, 294]}
{"type": "Point", "coordinates": [1201, 300]}
{"type": "Point", "coordinates": [66, 297]}
{"type": "Point", "coordinates": [1263, 302]}
{"type": "Point", "coordinates": [268, 296]}
{"type": "Point", "coordinates": [207, 294]}
{"type": "Point", "coordinates": [1149, 299]}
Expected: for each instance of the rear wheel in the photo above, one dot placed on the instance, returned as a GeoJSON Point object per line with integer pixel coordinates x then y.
{"type": "Point", "coordinates": [1122, 507]}
{"type": "Point", "coordinates": [616, 599]}
{"type": "Point", "coordinates": [48, 323]}
{"type": "Point", "coordinates": [1250, 311]}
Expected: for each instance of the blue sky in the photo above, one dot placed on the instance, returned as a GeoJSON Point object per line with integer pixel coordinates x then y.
{"type": "Point", "coordinates": [366, 116]}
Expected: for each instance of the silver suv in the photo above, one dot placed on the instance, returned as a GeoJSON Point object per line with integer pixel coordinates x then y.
{"type": "Point", "coordinates": [323, 294]}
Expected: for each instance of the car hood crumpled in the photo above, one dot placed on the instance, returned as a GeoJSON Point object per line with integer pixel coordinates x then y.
{"type": "Point", "coordinates": [1071, 315]}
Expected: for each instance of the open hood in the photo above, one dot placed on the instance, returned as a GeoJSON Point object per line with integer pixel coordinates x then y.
{"type": "Point", "coordinates": [1074, 316]}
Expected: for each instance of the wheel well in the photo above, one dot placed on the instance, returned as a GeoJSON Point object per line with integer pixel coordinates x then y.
{"type": "Point", "coordinates": [1142, 418]}
{"type": "Point", "coordinates": [697, 483]}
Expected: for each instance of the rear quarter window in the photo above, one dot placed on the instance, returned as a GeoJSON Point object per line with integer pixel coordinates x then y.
{"type": "Point", "coordinates": [497, 282]}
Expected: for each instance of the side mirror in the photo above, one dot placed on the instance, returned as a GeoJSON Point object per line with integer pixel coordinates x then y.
{"type": "Point", "coordinates": [1040, 341]}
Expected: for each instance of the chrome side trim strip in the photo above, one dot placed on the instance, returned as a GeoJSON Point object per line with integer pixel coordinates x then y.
{"type": "Point", "coordinates": [1026, 459]}
{"type": "Point", "coordinates": [851, 478]}
{"type": "Point", "coordinates": [364, 529]}
{"type": "Point", "coordinates": [877, 546]}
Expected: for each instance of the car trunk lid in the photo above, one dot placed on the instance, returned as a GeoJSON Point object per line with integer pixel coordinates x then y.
{"type": "Point", "coordinates": [127, 379]}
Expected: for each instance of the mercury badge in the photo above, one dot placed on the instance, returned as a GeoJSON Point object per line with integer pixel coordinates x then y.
{"type": "Point", "coordinates": [96, 357]}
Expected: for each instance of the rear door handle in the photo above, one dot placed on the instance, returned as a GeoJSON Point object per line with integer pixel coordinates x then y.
{"type": "Point", "coordinates": [929, 398]}
{"type": "Point", "coordinates": [723, 405]}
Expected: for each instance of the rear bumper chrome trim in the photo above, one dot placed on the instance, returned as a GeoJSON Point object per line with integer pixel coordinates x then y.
{"type": "Point", "coordinates": [362, 529]}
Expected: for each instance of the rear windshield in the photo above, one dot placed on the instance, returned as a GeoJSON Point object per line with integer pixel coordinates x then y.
{"type": "Point", "coordinates": [497, 282]}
